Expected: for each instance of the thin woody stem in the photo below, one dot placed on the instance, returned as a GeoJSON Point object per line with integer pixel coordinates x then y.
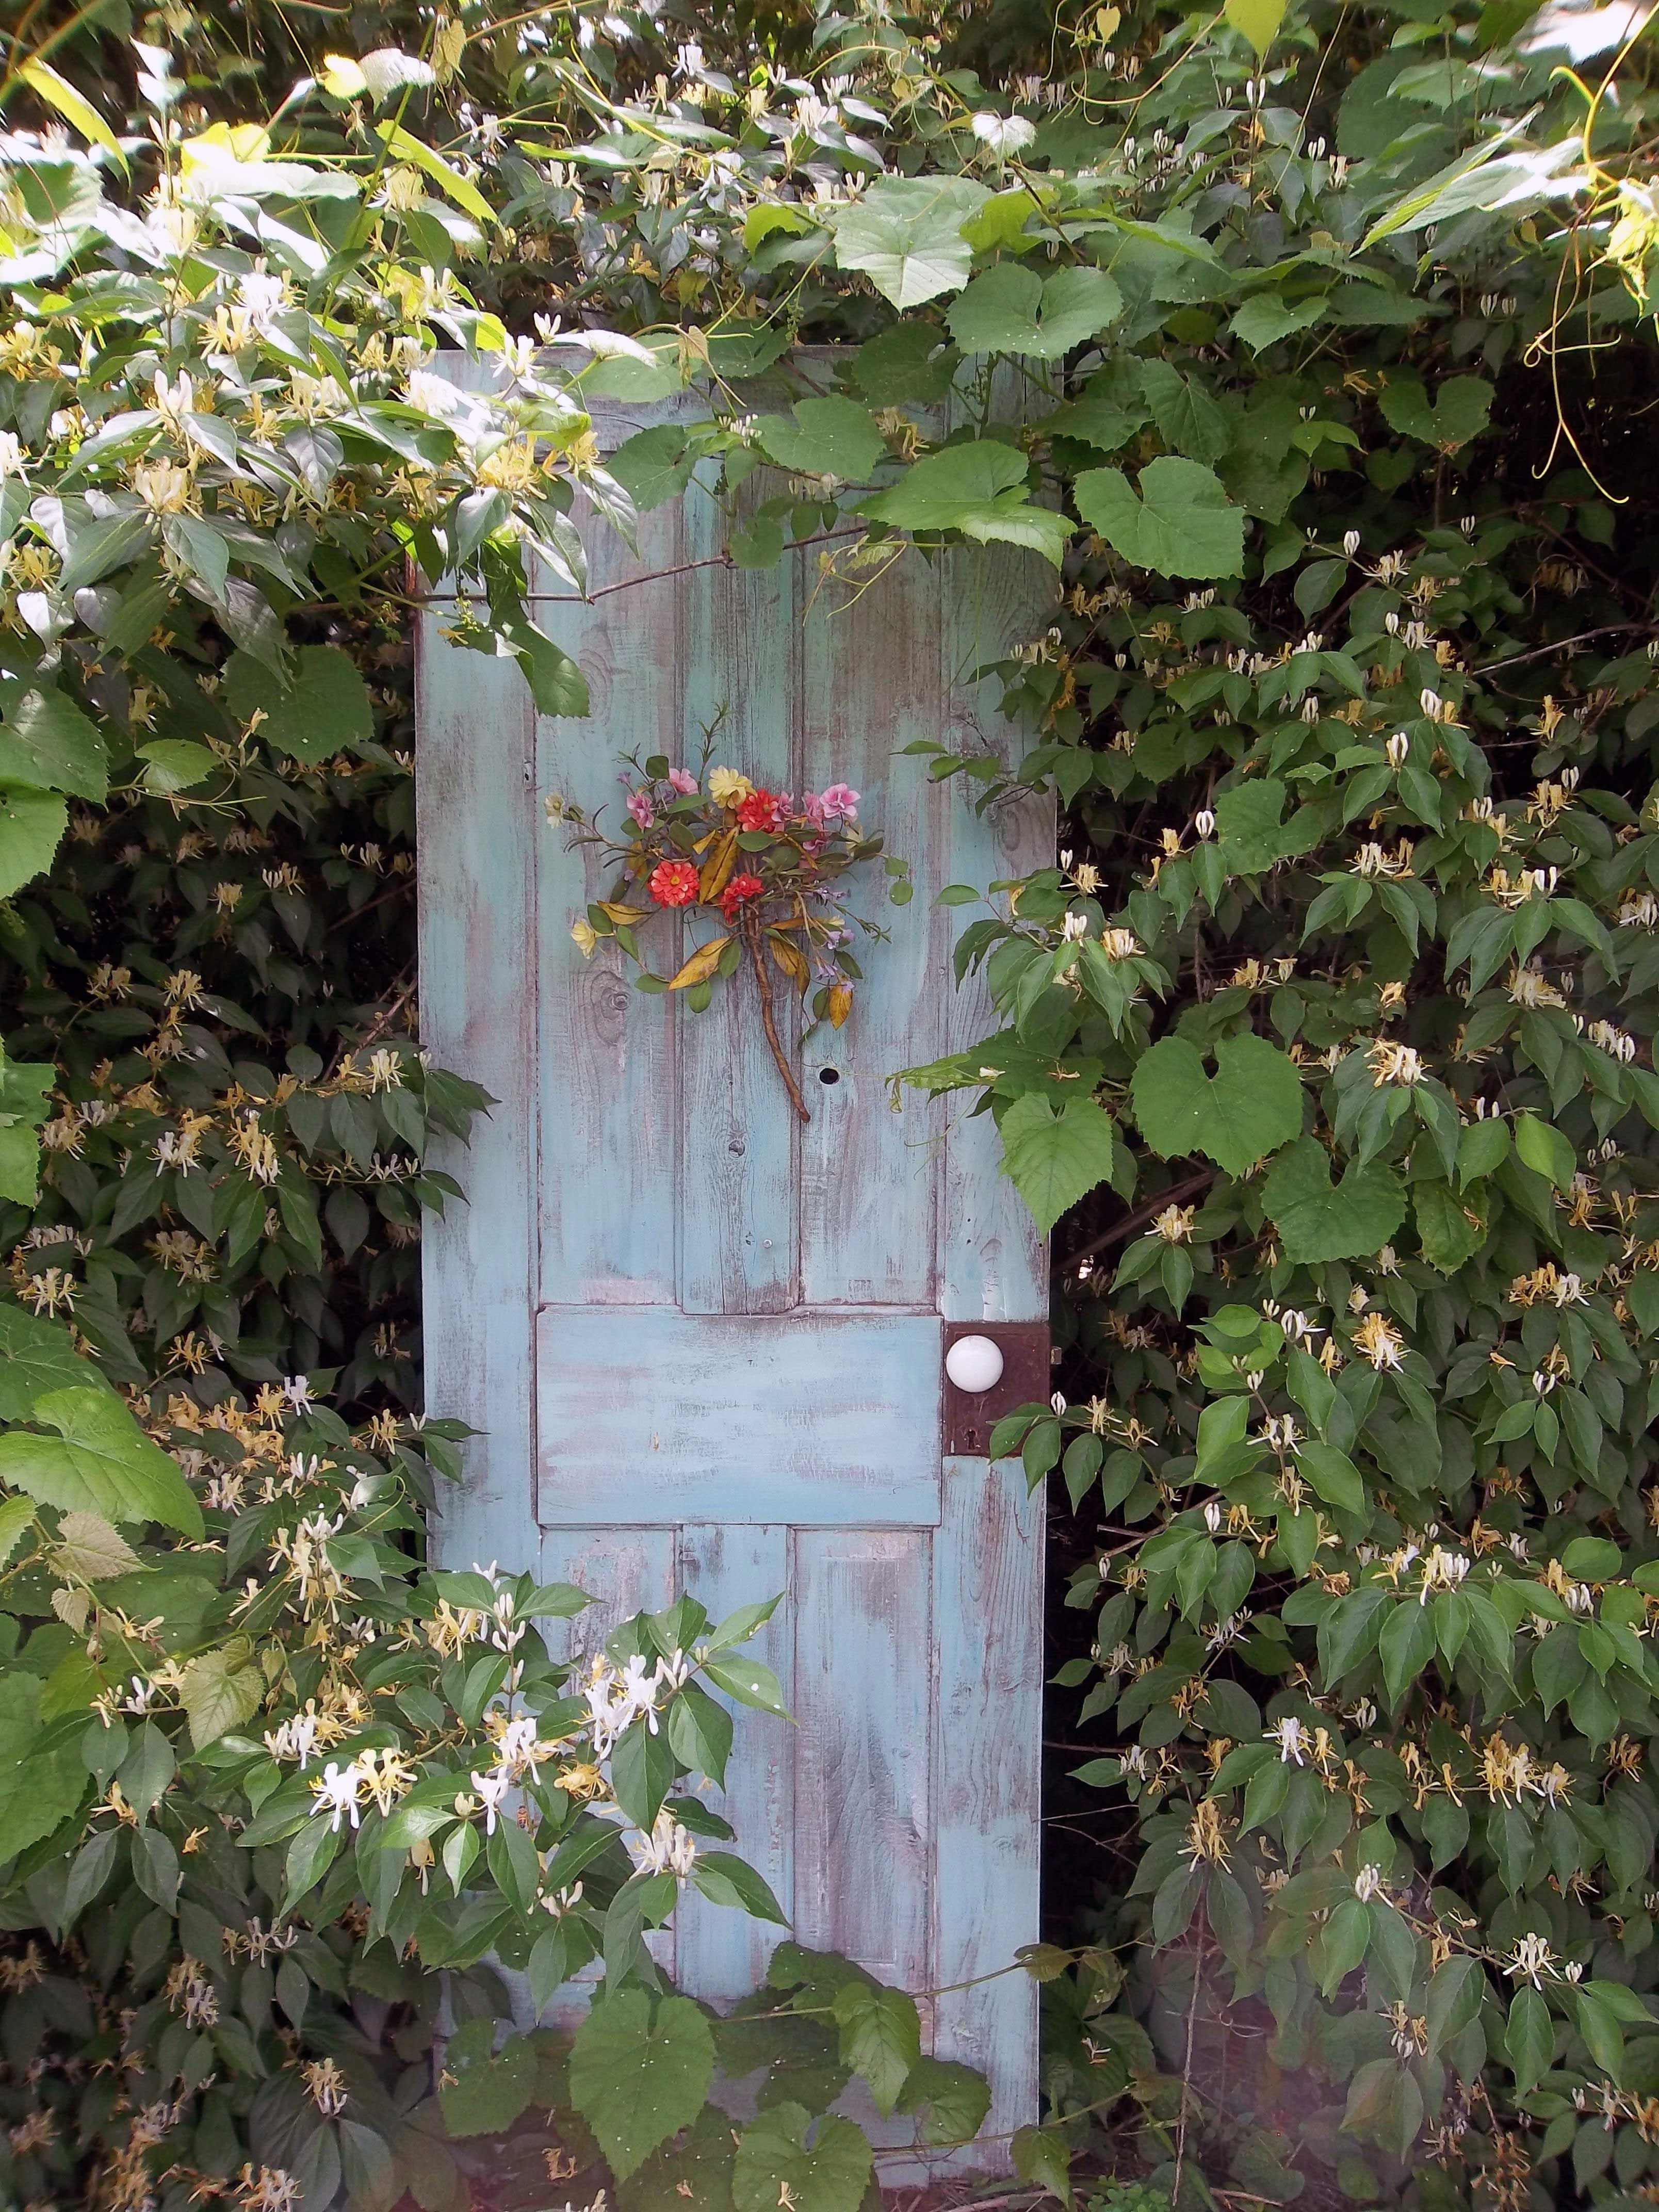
{"type": "Point", "coordinates": [751, 938]}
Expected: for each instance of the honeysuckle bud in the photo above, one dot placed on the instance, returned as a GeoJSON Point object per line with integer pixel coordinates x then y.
{"type": "Point", "coordinates": [1204, 823]}
{"type": "Point", "coordinates": [1431, 702]}
{"type": "Point", "coordinates": [1350, 542]}
{"type": "Point", "coordinates": [1397, 749]}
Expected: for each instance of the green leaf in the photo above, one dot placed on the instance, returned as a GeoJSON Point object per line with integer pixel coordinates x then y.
{"type": "Point", "coordinates": [1187, 418]}
{"type": "Point", "coordinates": [1053, 1156]}
{"type": "Point", "coordinates": [1544, 1149]}
{"type": "Point", "coordinates": [773, 2158]}
{"type": "Point", "coordinates": [880, 2038]}
{"type": "Point", "coordinates": [905, 235]}
{"type": "Point", "coordinates": [1528, 2039]}
{"type": "Point", "coordinates": [219, 1690]}
{"type": "Point", "coordinates": [1407, 1645]}
{"type": "Point", "coordinates": [47, 743]}
{"type": "Point", "coordinates": [326, 710]}
{"type": "Point", "coordinates": [17, 1518]}
{"type": "Point", "coordinates": [1316, 1221]}
{"type": "Point", "coordinates": [78, 112]}
{"type": "Point", "coordinates": [637, 2079]}
{"type": "Point", "coordinates": [1042, 2157]}
{"type": "Point", "coordinates": [38, 1787]}
{"type": "Point", "coordinates": [490, 2089]}
{"type": "Point", "coordinates": [1461, 407]}
{"type": "Point", "coordinates": [32, 824]}
{"type": "Point", "coordinates": [557, 683]}
{"type": "Point", "coordinates": [1266, 318]}
{"type": "Point", "coordinates": [952, 2100]}
{"type": "Point", "coordinates": [1333, 1475]}
{"type": "Point", "coordinates": [832, 437]}
{"type": "Point", "coordinates": [653, 465]}
{"type": "Point", "coordinates": [1258, 20]}
{"type": "Point", "coordinates": [99, 1460]}
{"type": "Point", "coordinates": [1179, 523]}
{"type": "Point", "coordinates": [174, 764]}
{"type": "Point", "coordinates": [1249, 1108]}
{"type": "Point", "coordinates": [1448, 1236]}
{"type": "Point", "coordinates": [449, 181]}
{"type": "Point", "coordinates": [978, 487]}
{"type": "Point", "coordinates": [725, 1879]}
{"type": "Point", "coordinates": [749, 1682]}
{"type": "Point", "coordinates": [1011, 309]}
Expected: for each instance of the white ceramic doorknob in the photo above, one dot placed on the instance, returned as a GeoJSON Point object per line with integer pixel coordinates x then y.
{"type": "Point", "coordinates": [974, 1363]}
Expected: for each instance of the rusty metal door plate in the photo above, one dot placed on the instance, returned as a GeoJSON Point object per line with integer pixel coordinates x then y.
{"type": "Point", "coordinates": [969, 1419]}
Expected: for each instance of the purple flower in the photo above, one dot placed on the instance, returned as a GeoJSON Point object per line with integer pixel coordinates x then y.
{"type": "Point", "coordinates": [683, 780]}
{"type": "Point", "coordinates": [640, 806]}
{"type": "Point", "coordinates": [840, 802]}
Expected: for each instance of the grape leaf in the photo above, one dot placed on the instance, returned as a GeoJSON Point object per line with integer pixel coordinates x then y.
{"type": "Point", "coordinates": [1459, 411]}
{"type": "Point", "coordinates": [98, 1461]}
{"type": "Point", "coordinates": [905, 234]}
{"type": "Point", "coordinates": [831, 437]}
{"type": "Point", "coordinates": [880, 2038]}
{"type": "Point", "coordinates": [32, 822]}
{"type": "Point", "coordinates": [1011, 309]}
{"type": "Point", "coordinates": [325, 710]}
{"type": "Point", "coordinates": [1249, 1108]}
{"type": "Point", "coordinates": [636, 2080]}
{"type": "Point", "coordinates": [1179, 523]}
{"type": "Point", "coordinates": [773, 2158]}
{"type": "Point", "coordinates": [36, 1355]}
{"type": "Point", "coordinates": [978, 487]}
{"type": "Point", "coordinates": [1054, 1155]}
{"type": "Point", "coordinates": [1316, 1221]}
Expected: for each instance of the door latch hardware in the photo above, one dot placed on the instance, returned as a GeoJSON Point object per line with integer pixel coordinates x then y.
{"type": "Point", "coordinates": [969, 1420]}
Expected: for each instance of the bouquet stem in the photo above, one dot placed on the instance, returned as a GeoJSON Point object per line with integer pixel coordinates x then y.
{"type": "Point", "coordinates": [751, 938]}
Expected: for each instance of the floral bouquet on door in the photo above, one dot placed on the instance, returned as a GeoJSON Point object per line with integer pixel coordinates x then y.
{"type": "Point", "coordinates": [764, 874]}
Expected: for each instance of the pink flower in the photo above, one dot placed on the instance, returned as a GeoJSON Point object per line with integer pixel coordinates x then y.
{"type": "Point", "coordinates": [683, 780]}
{"type": "Point", "coordinates": [640, 806]}
{"type": "Point", "coordinates": [840, 802]}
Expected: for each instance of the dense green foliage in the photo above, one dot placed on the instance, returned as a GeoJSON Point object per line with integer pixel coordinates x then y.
{"type": "Point", "coordinates": [1328, 1050]}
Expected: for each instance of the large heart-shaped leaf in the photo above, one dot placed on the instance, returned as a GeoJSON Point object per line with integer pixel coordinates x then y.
{"type": "Point", "coordinates": [832, 437]}
{"type": "Point", "coordinates": [637, 2080]}
{"type": "Point", "coordinates": [1011, 309]}
{"type": "Point", "coordinates": [1180, 522]}
{"type": "Point", "coordinates": [977, 487]}
{"type": "Point", "coordinates": [1318, 1221]}
{"type": "Point", "coordinates": [99, 1460]}
{"type": "Point", "coordinates": [1249, 1108]}
{"type": "Point", "coordinates": [774, 2167]}
{"type": "Point", "coordinates": [1054, 1155]}
{"type": "Point", "coordinates": [36, 1355]}
{"type": "Point", "coordinates": [325, 710]}
{"type": "Point", "coordinates": [905, 234]}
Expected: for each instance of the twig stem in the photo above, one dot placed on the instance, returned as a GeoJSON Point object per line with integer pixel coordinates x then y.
{"type": "Point", "coordinates": [752, 939]}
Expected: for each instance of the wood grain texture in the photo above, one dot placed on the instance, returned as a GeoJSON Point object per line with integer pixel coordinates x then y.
{"type": "Point", "coordinates": [807, 1416]}
{"type": "Point", "coordinates": [608, 1066]}
{"type": "Point", "coordinates": [871, 686]}
{"type": "Point", "coordinates": [475, 797]}
{"type": "Point", "coordinates": [988, 1728]}
{"type": "Point", "coordinates": [995, 1263]}
{"type": "Point", "coordinates": [722, 1953]}
{"type": "Point", "coordinates": [863, 1781]}
{"type": "Point", "coordinates": [740, 674]}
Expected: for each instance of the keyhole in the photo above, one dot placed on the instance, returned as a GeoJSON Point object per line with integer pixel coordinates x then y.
{"type": "Point", "coordinates": [829, 1075]}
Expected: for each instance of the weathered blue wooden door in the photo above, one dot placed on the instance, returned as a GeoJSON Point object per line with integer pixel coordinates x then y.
{"type": "Point", "coordinates": [705, 1343]}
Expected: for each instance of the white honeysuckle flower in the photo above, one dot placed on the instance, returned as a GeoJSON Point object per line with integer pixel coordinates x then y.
{"type": "Point", "coordinates": [492, 1789]}
{"type": "Point", "coordinates": [1293, 1739]}
{"type": "Point", "coordinates": [338, 1790]}
{"type": "Point", "coordinates": [1367, 1883]}
{"type": "Point", "coordinates": [1003, 135]}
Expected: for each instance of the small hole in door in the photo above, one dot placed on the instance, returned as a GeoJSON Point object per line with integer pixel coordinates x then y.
{"type": "Point", "coordinates": [829, 1075]}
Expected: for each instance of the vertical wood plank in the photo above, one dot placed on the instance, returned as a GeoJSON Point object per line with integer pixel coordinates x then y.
{"type": "Point", "coordinates": [608, 1064]}
{"type": "Point", "coordinates": [988, 1728]}
{"type": "Point", "coordinates": [722, 1953]}
{"type": "Point", "coordinates": [871, 684]}
{"type": "Point", "coordinates": [623, 1570]}
{"type": "Point", "coordinates": [995, 1265]}
{"type": "Point", "coordinates": [863, 1779]}
{"type": "Point", "coordinates": [738, 1242]}
{"type": "Point", "coordinates": [474, 796]}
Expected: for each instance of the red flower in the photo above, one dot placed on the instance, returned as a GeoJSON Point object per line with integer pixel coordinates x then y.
{"type": "Point", "coordinates": [674, 883]}
{"type": "Point", "coordinates": [761, 809]}
{"type": "Point", "coordinates": [739, 891]}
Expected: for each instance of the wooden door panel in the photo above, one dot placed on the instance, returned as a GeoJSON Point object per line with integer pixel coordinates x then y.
{"type": "Point", "coordinates": [797, 1418]}
{"type": "Point", "coordinates": [863, 1757]}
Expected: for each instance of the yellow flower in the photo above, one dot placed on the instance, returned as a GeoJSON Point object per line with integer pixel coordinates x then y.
{"type": "Point", "coordinates": [585, 936]}
{"type": "Point", "coordinates": [726, 787]}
